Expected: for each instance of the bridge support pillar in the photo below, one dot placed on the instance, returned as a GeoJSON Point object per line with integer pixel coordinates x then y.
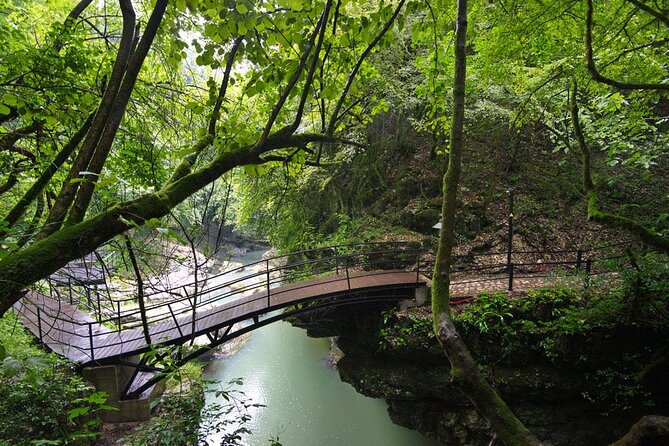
{"type": "Point", "coordinates": [113, 379]}
{"type": "Point", "coordinates": [421, 298]}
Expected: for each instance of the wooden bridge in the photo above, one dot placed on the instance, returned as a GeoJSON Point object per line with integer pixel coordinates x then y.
{"type": "Point", "coordinates": [75, 314]}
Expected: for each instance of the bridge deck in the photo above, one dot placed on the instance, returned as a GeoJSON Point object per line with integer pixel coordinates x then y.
{"type": "Point", "coordinates": [75, 335]}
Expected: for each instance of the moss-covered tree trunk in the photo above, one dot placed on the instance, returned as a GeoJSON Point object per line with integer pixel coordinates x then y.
{"type": "Point", "coordinates": [595, 213]}
{"type": "Point", "coordinates": [44, 257]}
{"type": "Point", "coordinates": [464, 370]}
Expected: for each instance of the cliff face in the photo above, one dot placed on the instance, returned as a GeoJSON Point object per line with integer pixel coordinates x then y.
{"type": "Point", "coordinates": [557, 398]}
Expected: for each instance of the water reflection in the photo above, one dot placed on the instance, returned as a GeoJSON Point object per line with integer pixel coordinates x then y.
{"type": "Point", "coordinates": [306, 402]}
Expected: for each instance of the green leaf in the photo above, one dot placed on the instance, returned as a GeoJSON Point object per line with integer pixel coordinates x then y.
{"type": "Point", "coordinates": [98, 398]}
{"type": "Point", "coordinates": [36, 362]}
{"type": "Point", "coordinates": [185, 152]}
{"type": "Point", "coordinates": [77, 412]}
{"type": "Point", "coordinates": [106, 182]}
{"type": "Point", "coordinates": [255, 169]}
{"type": "Point", "coordinates": [111, 408]}
{"type": "Point", "coordinates": [51, 121]}
{"type": "Point", "coordinates": [329, 93]}
{"type": "Point", "coordinates": [4, 110]}
{"type": "Point", "coordinates": [11, 367]}
{"type": "Point", "coordinates": [131, 223]}
{"type": "Point", "coordinates": [241, 8]}
{"type": "Point", "coordinates": [10, 99]}
{"type": "Point", "coordinates": [87, 99]}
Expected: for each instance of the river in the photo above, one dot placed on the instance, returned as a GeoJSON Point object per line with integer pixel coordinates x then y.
{"type": "Point", "coordinates": [305, 402]}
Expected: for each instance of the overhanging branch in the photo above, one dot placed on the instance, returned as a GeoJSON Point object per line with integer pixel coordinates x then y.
{"type": "Point", "coordinates": [592, 67]}
{"type": "Point", "coordinates": [351, 77]}
{"type": "Point", "coordinates": [661, 16]}
{"type": "Point", "coordinates": [647, 235]}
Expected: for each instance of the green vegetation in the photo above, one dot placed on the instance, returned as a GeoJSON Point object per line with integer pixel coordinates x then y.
{"type": "Point", "coordinates": [551, 315]}
{"type": "Point", "coordinates": [179, 415]}
{"type": "Point", "coordinates": [183, 419]}
{"type": "Point", "coordinates": [42, 400]}
{"type": "Point", "coordinates": [567, 329]}
{"type": "Point", "coordinates": [332, 121]}
{"type": "Point", "coordinates": [395, 334]}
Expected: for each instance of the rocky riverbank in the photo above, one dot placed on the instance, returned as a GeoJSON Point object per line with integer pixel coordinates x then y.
{"type": "Point", "coordinates": [579, 394]}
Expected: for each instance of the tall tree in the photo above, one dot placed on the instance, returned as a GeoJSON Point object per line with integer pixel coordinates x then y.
{"type": "Point", "coordinates": [302, 62]}
{"type": "Point", "coordinates": [465, 372]}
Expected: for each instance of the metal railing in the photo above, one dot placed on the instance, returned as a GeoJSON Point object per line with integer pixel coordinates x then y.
{"type": "Point", "coordinates": [167, 309]}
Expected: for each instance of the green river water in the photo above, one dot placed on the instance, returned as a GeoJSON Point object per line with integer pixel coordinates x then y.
{"type": "Point", "coordinates": [306, 404]}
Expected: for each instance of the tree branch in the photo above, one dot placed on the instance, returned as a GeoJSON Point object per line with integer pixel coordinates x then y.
{"type": "Point", "coordinates": [69, 189]}
{"type": "Point", "coordinates": [9, 139]}
{"type": "Point", "coordinates": [655, 13]}
{"type": "Point", "coordinates": [71, 18]}
{"type": "Point", "coordinates": [28, 233]}
{"type": "Point", "coordinates": [38, 186]}
{"type": "Point", "coordinates": [592, 68]}
{"type": "Point", "coordinates": [288, 158]}
{"type": "Point", "coordinates": [11, 181]}
{"type": "Point", "coordinates": [45, 256]}
{"type": "Point", "coordinates": [140, 289]}
{"type": "Point", "coordinates": [312, 70]}
{"type": "Point", "coordinates": [215, 114]}
{"type": "Point", "coordinates": [289, 87]}
{"type": "Point", "coordinates": [358, 64]}
{"type": "Point", "coordinates": [648, 236]}
{"type": "Point", "coordinates": [13, 113]}
{"type": "Point", "coordinates": [104, 145]}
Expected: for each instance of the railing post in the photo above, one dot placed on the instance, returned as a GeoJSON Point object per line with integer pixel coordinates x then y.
{"type": "Point", "coordinates": [118, 314]}
{"type": "Point", "coordinates": [39, 323]}
{"type": "Point", "coordinates": [268, 280]}
{"type": "Point", "coordinates": [588, 267]}
{"type": "Point", "coordinates": [176, 322]}
{"type": "Point", "coordinates": [418, 268]}
{"type": "Point", "coordinates": [509, 242]}
{"type": "Point", "coordinates": [348, 278]}
{"type": "Point", "coordinates": [88, 296]}
{"type": "Point", "coordinates": [510, 276]}
{"type": "Point", "coordinates": [90, 340]}
{"type": "Point", "coordinates": [336, 254]}
{"type": "Point", "coordinates": [579, 259]}
{"type": "Point", "coordinates": [97, 294]}
{"type": "Point", "coordinates": [69, 288]}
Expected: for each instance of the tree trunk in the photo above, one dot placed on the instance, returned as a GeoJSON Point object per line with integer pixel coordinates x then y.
{"type": "Point", "coordinates": [651, 430]}
{"type": "Point", "coordinates": [104, 144]}
{"type": "Point", "coordinates": [464, 370]}
{"type": "Point", "coordinates": [646, 235]}
{"type": "Point", "coordinates": [69, 189]}
{"type": "Point", "coordinates": [140, 289]}
{"type": "Point", "coordinates": [44, 257]}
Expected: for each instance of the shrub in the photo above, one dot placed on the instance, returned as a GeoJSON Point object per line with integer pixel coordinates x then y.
{"type": "Point", "coordinates": [42, 400]}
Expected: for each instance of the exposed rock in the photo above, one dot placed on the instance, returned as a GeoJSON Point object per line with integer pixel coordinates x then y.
{"type": "Point", "coordinates": [550, 397]}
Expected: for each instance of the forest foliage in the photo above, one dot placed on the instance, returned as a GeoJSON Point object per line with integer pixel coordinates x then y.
{"type": "Point", "coordinates": [296, 117]}
{"type": "Point", "coordinates": [236, 83]}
